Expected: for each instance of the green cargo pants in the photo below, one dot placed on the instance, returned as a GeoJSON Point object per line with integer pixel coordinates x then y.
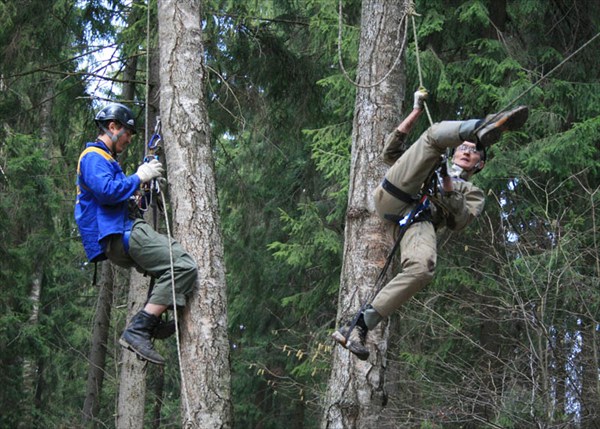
{"type": "Point", "coordinates": [149, 254]}
{"type": "Point", "coordinates": [418, 247]}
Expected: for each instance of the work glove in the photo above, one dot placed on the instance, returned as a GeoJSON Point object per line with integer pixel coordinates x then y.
{"type": "Point", "coordinates": [421, 95]}
{"type": "Point", "coordinates": [149, 170]}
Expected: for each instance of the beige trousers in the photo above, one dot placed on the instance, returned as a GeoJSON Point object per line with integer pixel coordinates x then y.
{"type": "Point", "coordinates": [418, 247]}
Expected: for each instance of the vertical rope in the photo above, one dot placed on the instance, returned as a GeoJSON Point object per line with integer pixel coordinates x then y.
{"type": "Point", "coordinates": [412, 13]}
{"type": "Point", "coordinates": [183, 381]}
{"type": "Point", "coordinates": [147, 113]}
{"type": "Point", "coordinates": [395, 63]}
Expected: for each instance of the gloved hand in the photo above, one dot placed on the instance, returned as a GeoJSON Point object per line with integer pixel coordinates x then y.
{"type": "Point", "coordinates": [421, 95]}
{"type": "Point", "coordinates": [149, 170]}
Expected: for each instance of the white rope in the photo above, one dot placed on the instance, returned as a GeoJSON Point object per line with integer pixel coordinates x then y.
{"type": "Point", "coordinates": [183, 382]}
{"type": "Point", "coordinates": [412, 13]}
{"type": "Point", "coordinates": [172, 271]}
{"type": "Point", "coordinates": [396, 61]}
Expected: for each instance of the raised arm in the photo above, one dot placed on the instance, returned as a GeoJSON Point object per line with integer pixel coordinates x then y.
{"type": "Point", "coordinates": [395, 142]}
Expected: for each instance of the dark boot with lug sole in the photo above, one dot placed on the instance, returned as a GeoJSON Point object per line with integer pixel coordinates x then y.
{"type": "Point", "coordinates": [137, 337]}
{"type": "Point", "coordinates": [355, 341]}
{"type": "Point", "coordinates": [497, 123]}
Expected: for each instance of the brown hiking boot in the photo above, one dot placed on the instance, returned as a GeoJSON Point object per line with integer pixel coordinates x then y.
{"type": "Point", "coordinates": [495, 124]}
{"type": "Point", "coordinates": [355, 342]}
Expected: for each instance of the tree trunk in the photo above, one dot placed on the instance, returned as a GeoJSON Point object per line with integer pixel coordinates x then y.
{"type": "Point", "coordinates": [186, 132]}
{"type": "Point", "coordinates": [30, 366]}
{"type": "Point", "coordinates": [590, 392]}
{"type": "Point", "coordinates": [97, 357]}
{"type": "Point", "coordinates": [355, 395]}
{"type": "Point", "coordinates": [132, 379]}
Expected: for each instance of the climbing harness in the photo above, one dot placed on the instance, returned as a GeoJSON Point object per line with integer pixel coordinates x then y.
{"type": "Point", "coordinates": [419, 213]}
{"type": "Point", "coordinates": [438, 171]}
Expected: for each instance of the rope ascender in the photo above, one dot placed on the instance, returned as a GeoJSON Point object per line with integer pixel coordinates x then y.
{"type": "Point", "coordinates": [151, 191]}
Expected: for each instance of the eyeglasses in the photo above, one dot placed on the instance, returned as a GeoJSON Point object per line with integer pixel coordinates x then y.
{"type": "Point", "coordinates": [467, 148]}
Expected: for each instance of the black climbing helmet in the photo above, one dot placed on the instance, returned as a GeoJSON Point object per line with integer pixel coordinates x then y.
{"type": "Point", "coordinates": [118, 113]}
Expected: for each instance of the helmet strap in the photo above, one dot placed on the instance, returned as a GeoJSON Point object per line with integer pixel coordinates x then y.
{"type": "Point", "coordinates": [113, 137]}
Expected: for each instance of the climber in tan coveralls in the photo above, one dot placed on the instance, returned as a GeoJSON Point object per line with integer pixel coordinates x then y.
{"type": "Point", "coordinates": [456, 203]}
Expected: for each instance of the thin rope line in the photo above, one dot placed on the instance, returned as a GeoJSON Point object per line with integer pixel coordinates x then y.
{"type": "Point", "coordinates": [172, 270]}
{"type": "Point", "coordinates": [147, 113]}
{"type": "Point", "coordinates": [396, 61]}
{"type": "Point", "coordinates": [492, 119]}
{"type": "Point", "coordinates": [412, 13]}
{"type": "Point", "coordinates": [183, 382]}
{"type": "Point", "coordinates": [555, 68]}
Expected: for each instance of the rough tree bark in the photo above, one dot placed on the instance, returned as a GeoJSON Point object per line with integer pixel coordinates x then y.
{"type": "Point", "coordinates": [97, 356]}
{"type": "Point", "coordinates": [356, 395]}
{"type": "Point", "coordinates": [132, 376]}
{"type": "Point", "coordinates": [186, 133]}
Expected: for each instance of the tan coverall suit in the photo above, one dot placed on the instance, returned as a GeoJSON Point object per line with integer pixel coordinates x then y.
{"type": "Point", "coordinates": [454, 209]}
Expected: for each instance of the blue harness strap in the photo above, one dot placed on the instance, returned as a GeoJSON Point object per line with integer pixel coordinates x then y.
{"type": "Point", "coordinates": [126, 236]}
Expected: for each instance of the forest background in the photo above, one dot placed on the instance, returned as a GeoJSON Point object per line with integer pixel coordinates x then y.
{"type": "Point", "coordinates": [505, 336]}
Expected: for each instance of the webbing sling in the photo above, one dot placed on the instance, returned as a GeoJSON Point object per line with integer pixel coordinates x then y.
{"type": "Point", "coordinates": [404, 224]}
{"type": "Point", "coordinates": [397, 192]}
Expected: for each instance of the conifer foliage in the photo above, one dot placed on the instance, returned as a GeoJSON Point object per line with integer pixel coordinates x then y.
{"type": "Point", "coordinates": [505, 336]}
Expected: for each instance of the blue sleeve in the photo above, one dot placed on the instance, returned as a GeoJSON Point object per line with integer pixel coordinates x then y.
{"type": "Point", "coordinates": [106, 180]}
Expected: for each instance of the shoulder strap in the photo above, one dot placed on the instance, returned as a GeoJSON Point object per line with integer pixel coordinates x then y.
{"type": "Point", "coordinates": [95, 149]}
{"type": "Point", "coordinates": [90, 149]}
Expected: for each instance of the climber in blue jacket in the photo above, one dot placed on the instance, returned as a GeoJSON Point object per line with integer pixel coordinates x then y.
{"type": "Point", "coordinates": [110, 229]}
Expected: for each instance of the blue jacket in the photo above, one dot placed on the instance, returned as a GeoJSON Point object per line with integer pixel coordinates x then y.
{"type": "Point", "coordinates": [103, 190]}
